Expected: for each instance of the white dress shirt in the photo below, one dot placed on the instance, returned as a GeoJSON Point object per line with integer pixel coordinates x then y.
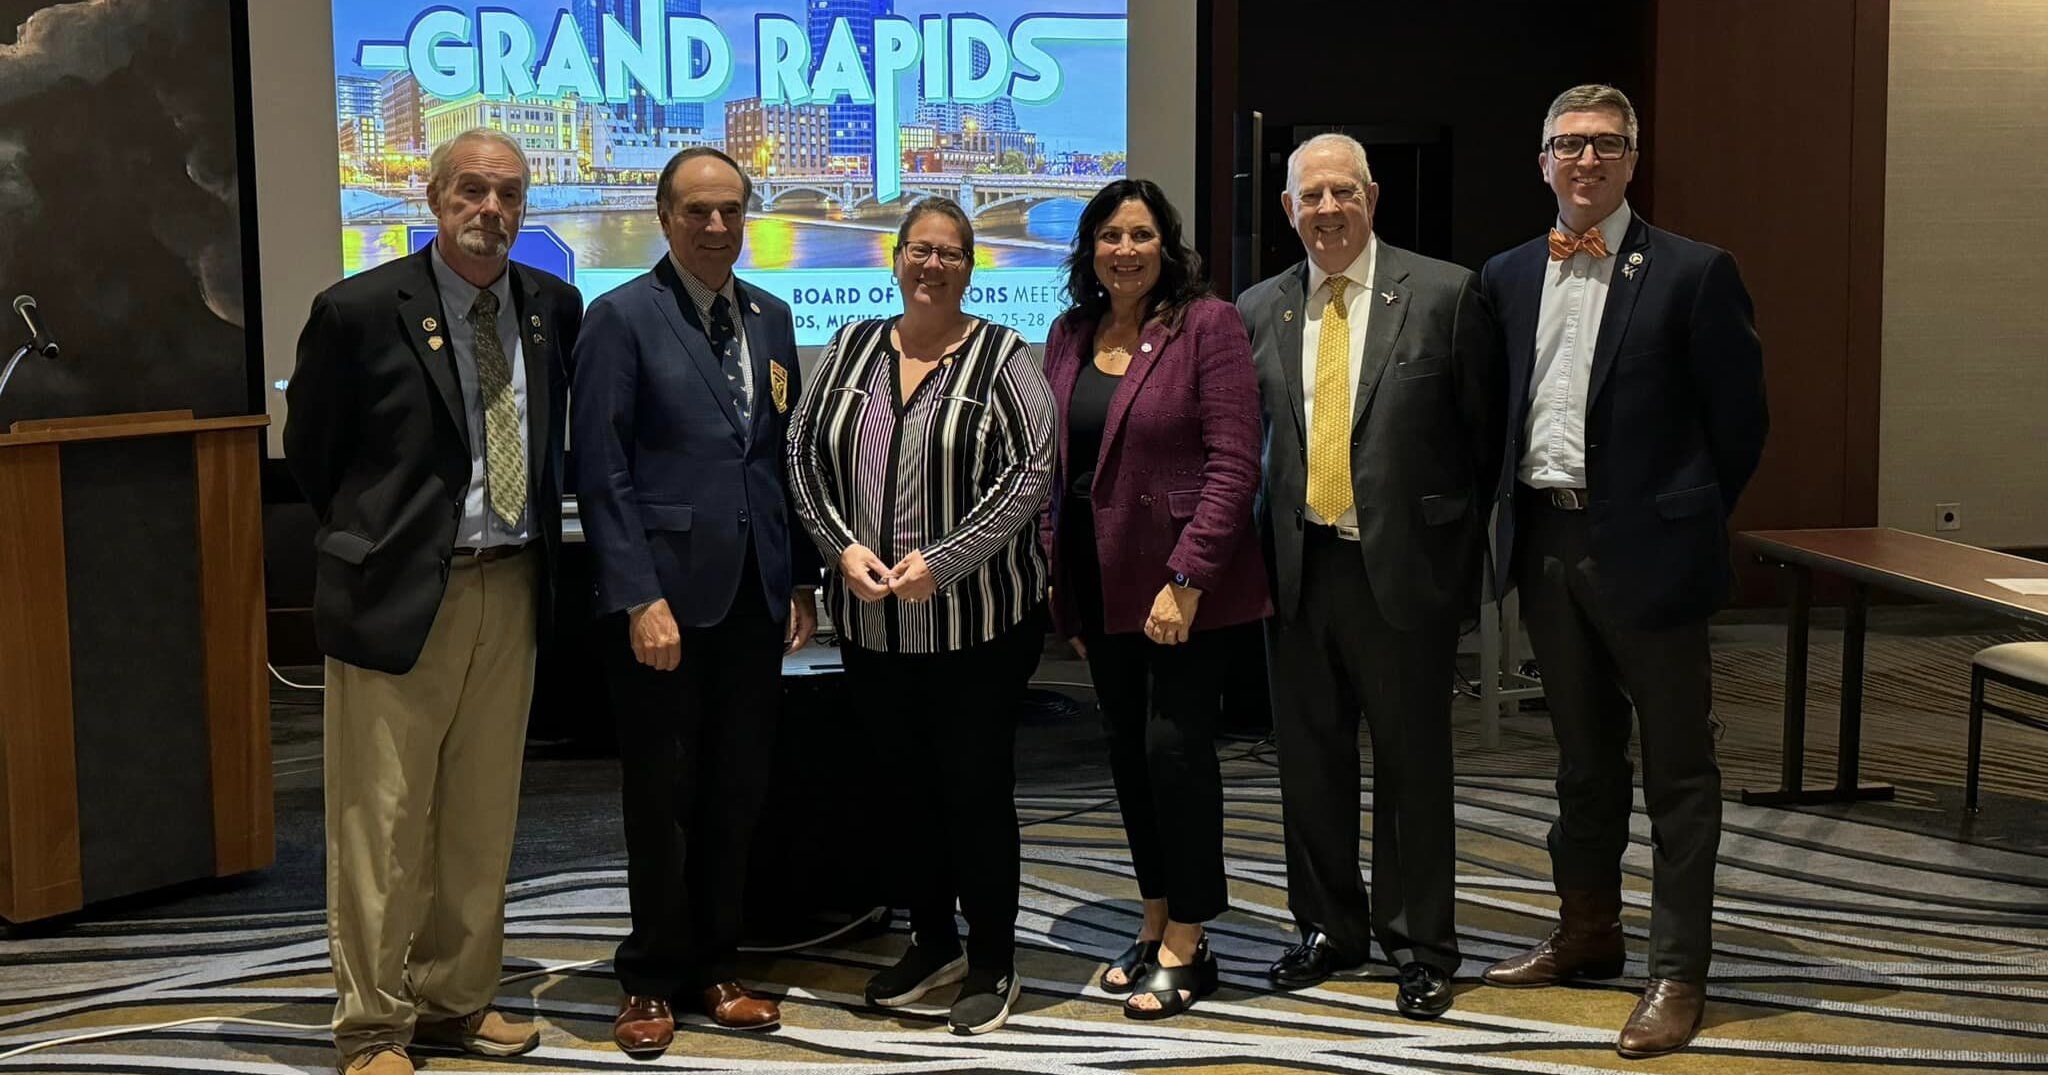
{"type": "Point", "coordinates": [480, 527]}
{"type": "Point", "coordinates": [1357, 307]}
{"type": "Point", "coordinates": [1567, 328]}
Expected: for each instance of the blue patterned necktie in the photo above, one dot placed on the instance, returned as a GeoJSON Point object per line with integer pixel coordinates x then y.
{"type": "Point", "coordinates": [725, 341]}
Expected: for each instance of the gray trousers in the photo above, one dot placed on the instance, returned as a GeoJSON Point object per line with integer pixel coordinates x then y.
{"type": "Point", "coordinates": [1336, 659]}
{"type": "Point", "coordinates": [1595, 671]}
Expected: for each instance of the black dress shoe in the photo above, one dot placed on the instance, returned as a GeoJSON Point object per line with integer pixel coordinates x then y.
{"type": "Point", "coordinates": [1425, 991]}
{"type": "Point", "coordinates": [1311, 963]}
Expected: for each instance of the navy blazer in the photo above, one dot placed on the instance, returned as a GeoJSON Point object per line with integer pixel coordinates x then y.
{"type": "Point", "coordinates": [1675, 417]}
{"type": "Point", "coordinates": [670, 486]}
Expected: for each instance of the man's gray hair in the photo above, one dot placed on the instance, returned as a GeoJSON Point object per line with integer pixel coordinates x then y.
{"type": "Point", "coordinates": [1590, 97]}
{"type": "Point", "coordinates": [437, 165]}
{"type": "Point", "coordinates": [1342, 141]}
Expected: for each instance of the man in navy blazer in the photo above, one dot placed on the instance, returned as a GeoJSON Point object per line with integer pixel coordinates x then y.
{"type": "Point", "coordinates": [1636, 388]}
{"type": "Point", "coordinates": [685, 377]}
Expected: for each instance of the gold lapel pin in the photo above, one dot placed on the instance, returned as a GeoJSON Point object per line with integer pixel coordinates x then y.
{"type": "Point", "coordinates": [1636, 258]}
{"type": "Point", "coordinates": [434, 341]}
{"type": "Point", "coordinates": [754, 306]}
{"type": "Point", "coordinates": [1287, 315]}
{"type": "Point", "coordinates": [534, 320]}
{"type": "Point", "coordinates": [429, 324]}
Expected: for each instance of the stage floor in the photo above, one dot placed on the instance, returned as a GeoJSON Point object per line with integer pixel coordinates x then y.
{"type": "Point", "coordinates": [1880, 937]}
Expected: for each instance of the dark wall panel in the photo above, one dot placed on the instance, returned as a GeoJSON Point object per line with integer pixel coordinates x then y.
{"type": "Point", "coordinates": [145, 801]}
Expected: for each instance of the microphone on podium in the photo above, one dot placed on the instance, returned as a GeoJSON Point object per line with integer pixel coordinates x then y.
{"type": "Point", "coordinates": [40, 341]}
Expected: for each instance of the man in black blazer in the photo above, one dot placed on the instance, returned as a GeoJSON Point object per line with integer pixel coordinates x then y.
{"type": "Point", "coordinates": [1636, 382]}
{"type": "Point", "coordinates": [685, 377]}
{"type": "Point", "coordinates": [1382, 386]}
{"type": "Point", "coordinates": [425, 429]}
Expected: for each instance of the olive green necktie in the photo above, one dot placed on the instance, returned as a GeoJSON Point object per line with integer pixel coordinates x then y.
{"type": "Point", "coordinates": [504, 461]}
{"type": "Point", "coordinates": [1329, 439]}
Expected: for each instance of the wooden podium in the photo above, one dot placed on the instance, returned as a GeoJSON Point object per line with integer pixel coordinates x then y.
{"type": "Point", "coordinates": [134, 708]}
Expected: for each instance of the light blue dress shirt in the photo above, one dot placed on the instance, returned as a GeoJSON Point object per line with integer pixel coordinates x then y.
{"type": "Point", "coordinates": [480, 527]}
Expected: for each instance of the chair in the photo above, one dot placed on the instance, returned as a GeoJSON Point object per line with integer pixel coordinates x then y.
{"type": "Point", "coordinates": [2023, 666]}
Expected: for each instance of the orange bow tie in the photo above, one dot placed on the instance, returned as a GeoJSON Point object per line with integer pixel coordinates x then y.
{"type": "Point", "coordinates": [1563, 246]}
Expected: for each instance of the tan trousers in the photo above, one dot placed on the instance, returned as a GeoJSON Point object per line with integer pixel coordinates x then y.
{"type": "Point", "coordinates": [422, 775]}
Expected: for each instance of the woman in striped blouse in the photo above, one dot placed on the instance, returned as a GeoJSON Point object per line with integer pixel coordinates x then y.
{"type": "Point", "coordinates": [920, 456]}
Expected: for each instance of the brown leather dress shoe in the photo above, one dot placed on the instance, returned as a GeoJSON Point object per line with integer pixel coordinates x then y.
{"type": "Point", "coordinates": [1664, 1020]}
{"type": "Point", "coordinates": [731, 1006]}
{"type": "Point", "coordinates": [1587, 943]}
{"type": "Point", "coordinates": [645, 1026]}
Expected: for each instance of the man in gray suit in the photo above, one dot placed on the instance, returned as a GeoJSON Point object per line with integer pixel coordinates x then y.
{"type": "Point", "coordinates": [1383, 390]}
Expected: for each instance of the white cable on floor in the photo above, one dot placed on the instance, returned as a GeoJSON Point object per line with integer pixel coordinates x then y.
{"type": "Point", "coordinates": [279, 676]}
{"type": "Point", "coordinates": [538, 972]}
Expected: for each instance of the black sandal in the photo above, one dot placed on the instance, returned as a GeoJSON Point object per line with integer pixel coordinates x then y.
{"type": "Point", "coordinates": [1139, 956]}
{"type": "Point", "coordinates": [1166, 983]}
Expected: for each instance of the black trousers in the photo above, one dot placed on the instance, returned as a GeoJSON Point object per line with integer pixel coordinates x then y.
{"type": "Point", "coordinates": [1337, 657]}
{"type": "Point", "coordinates": [947, 724]}
{"type": "Point", "coordinates": [1160, 708]}
{"type": "Point", "coordinates": [1597, 669]}
{"type": "Point", "coordinates": [695, 754]}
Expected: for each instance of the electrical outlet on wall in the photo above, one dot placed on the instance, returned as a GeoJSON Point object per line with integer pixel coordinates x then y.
{"type": "Point", "coordinates": [1948, 516]}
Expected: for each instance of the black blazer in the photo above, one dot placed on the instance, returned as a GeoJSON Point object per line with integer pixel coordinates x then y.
{"type": "Point", "coordinates": [1675, 418]}
{"type": "Point", "coordinates": [1425, 437]}
{"type": "Point", "coordinates": [377, 438]}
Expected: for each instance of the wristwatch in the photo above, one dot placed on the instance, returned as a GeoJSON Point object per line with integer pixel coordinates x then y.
{"type": "Point", "coordinates": [1181, 581]}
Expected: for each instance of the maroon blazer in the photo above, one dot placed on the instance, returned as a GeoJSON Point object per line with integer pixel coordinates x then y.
{"type": "Point", "coordinates": [1177, 474]}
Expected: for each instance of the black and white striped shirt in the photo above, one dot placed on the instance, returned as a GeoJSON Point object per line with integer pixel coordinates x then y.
{"type": "Point", "coordinates": [958, 472]}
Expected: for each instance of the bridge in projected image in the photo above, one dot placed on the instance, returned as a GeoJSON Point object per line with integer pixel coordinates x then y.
{"type": "Point", "coordinates": [990, 198]}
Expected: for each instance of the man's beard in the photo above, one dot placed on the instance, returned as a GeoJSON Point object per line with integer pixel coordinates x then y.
{"type": "Point", "coordinates": [483, 243]}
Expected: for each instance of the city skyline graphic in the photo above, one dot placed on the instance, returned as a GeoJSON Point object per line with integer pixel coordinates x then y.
{"type": "Point", "coordinates": [834, 154]}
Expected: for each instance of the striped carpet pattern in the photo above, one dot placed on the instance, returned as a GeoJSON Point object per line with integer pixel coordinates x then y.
{"type": "Point", "coordinates": [1842, 946]}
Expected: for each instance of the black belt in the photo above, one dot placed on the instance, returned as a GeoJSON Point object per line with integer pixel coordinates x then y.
{"type": "Point", "coordinates": [1330, 533]}
{"type": "Point", "coordinates": [493, 552]}
{"type": "Point", "coordinates": [1562, 499]}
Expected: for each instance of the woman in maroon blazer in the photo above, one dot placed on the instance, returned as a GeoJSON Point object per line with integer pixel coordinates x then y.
{"type": "Point", "coordinates": [1150, 531]}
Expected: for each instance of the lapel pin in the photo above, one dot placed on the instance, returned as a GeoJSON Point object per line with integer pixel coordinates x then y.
{"type": "Point", "coordinates": [539, 340]}
{"type": "Point", "coordinates": [946, 361]}
{"type": "Point", "coordinates": [1147, 348]}
{"type": "Point", "coordinates": [429, 324]}
{"type": "Point", "coordinates": [1636, 258]}
{"type": "Point", "coordinates": [754, 306]}
{"type": "Point", "coordinates": [1287, 315]}
{"type": "Point", "coordinates": [1389, 297]}
{"type": "Point", "coordinates": [434, 341]}
{"type": "Point", "coordinates": [534, 320]}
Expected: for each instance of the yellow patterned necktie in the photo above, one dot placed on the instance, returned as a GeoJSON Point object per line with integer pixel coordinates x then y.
{"type": "Point", "coordinates": [504, 462]}
{"type": "Point", "coordinates": [1329, 439]}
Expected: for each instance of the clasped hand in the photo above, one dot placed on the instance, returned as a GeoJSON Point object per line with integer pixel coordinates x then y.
{"type": "Point", "coordinates": [870, 580]}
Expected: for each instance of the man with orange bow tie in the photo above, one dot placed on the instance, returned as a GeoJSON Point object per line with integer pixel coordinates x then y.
{"type": "Point", "coordinates": [1636, 381]}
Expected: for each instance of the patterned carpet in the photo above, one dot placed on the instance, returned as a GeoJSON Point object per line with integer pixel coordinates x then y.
{"type": "Point", "coordinates": [1847, 941]}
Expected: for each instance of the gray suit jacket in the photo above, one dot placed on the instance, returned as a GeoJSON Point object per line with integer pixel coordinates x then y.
{"type": "Point", "coordinates": [1427, 434]}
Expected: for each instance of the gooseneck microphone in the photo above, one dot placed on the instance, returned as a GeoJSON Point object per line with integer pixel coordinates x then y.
{"type": "Point", "coordinates": [39, 340]}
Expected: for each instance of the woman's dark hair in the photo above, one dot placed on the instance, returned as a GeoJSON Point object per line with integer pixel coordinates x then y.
{"type": "Point", "coordinates": [945, 207]}
{"type": "Point", "coordinates": [1180, 269]}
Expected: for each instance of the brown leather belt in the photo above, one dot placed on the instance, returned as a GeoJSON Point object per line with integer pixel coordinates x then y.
{"type": "Point", "coordinates": [493, 552]}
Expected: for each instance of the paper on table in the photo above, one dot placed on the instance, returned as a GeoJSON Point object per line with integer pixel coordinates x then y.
{"type": "Point", "coordinates": [2036, 587]}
